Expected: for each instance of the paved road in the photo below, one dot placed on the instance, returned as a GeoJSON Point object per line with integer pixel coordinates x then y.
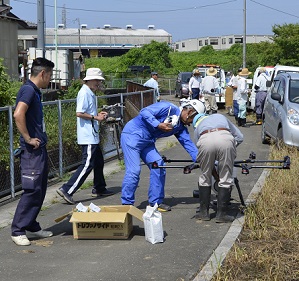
{"type": "Point", "coordinates": [188, 243]}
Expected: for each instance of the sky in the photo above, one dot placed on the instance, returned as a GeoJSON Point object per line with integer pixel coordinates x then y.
{"type": "Point", "coordinates": [182, 19]}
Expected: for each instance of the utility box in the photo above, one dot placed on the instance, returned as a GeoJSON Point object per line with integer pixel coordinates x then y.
{"type": "Point", "coordinates": [63, 71]}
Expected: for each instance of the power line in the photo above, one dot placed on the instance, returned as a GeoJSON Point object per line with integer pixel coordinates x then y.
{"type": "Point", "coordinates": [133, 12]}
{"type": "Point", "coordinates": [274, 9]}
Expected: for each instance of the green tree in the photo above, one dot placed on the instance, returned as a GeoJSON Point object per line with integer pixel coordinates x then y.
{"type": "Point", "coordinates": [8, 89]}
{"type": "Point", "coordinates": [286, 41]}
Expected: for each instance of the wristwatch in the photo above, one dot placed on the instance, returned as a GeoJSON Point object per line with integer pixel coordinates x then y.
{"type": "Point", "coordinates": [92, 117]}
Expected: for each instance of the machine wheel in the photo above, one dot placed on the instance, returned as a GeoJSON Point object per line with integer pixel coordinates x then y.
{"type": "Point", "coordinates": [264, 137]}
{"type": "Point", "coordinates": [215, 187]}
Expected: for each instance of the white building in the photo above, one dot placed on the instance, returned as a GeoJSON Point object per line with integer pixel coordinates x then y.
{"type": "Point", "coordinates": [218, 42]}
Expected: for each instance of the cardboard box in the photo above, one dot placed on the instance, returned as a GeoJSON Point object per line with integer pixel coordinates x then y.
{"type": "Point", "coordinates": [113, 222]}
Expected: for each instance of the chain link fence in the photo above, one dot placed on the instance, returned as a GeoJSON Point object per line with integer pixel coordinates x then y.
{"type": "Point", "coordinates": [64, 152]}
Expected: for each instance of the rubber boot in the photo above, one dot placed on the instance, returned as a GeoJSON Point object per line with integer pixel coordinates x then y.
{"type": "Point", "coordinates": [222, 205]}
{"type": "Point", "coordinates": [243, 122]}
{"type": "Point", "coordinates": [204, 200]}
{"type": "Point", "coordinates": [239, 121]}
{"type": "Point", "coordinates": [258, 119]}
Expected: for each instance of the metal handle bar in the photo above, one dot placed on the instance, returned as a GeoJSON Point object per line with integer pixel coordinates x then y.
{"type": "Point", "coordinates": [113, 105]}
{"type": "Point", "coordinates": [286, 161]}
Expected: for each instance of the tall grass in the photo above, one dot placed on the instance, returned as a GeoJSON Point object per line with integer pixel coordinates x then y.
{"type": "Point", "coordinates": [268, 247]}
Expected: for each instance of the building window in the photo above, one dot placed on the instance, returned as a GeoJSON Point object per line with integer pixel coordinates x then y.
{"type": "Point", "coordinates": [239, 40]}
{"type": "Point", "coordinates": [200, 43]}
{"type": "Point", "coordinates": [177, 46]}
{"type": "Point", "coordinates": [183, 44]}
{"type": "Point", "coordinates": [214, 41]}
{"type": "Point", "coordinates": [206, 42]}
{"type": "Point", "coordinates": [230, 41]}
{"type": "Point", "coordinates": [223, 41]}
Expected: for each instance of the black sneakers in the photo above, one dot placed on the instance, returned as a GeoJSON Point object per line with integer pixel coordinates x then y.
{"type": "Point", "coordinates": [164, 208]}
{"type": "Point", "coordinates": [67, 197]}
{"type": "Point", "coordinates": [105, 193]}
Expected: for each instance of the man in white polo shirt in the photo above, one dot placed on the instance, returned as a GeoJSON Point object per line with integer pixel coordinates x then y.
{"type": "Point", "coordinates": [88, 138]}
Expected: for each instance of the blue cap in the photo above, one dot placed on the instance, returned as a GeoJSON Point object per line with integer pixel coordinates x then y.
{"type": "Point", "coordinates": [154, 73]}
{"type": "Point", "coordinates": [196, 119]}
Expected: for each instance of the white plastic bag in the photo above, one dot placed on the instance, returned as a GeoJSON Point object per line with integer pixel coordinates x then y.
{"type": "Point", "coordinates": [153, 227]}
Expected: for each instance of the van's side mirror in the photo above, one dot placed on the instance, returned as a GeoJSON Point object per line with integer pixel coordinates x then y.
{"type": "Point", "coordinates": [276, 96]}
{"type": "Point", "coordinates": [268, 83]}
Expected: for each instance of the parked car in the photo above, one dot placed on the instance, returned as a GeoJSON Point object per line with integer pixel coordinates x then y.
{"type": "Point", "coordinates": [182, 84]}
{"type": "Point", "coordinates": [281, 111]}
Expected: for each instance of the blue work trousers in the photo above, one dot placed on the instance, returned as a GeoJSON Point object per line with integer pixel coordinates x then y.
{"type": "Point", "coordinates": [260, 102]}
{"type": "Point", "coordinates": [195, 93]}
{"type": "Point", "coordinates": [135, 147]}
{"type": "Point", "coordinates": [92, 159]}
{"type": "Point", "coordinates": [236, 108]}
{"type": "Point", "coordinates": [34, 177]}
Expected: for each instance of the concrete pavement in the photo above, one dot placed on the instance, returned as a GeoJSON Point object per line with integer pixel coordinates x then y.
{"type": "Point", "coordinates": [183, 256]}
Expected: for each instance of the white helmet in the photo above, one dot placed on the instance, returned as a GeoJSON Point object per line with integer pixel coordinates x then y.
{"type": "Point", "coordinates": [196, 104]}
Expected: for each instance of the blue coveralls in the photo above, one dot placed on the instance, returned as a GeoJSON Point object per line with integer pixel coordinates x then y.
{"type": "Point", "coordinates": [34, 164]}
{"type": "Point", "coordinates": [138, 141]}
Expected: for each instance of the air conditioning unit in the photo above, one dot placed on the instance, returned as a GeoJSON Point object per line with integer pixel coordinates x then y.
{"type": "Point", "coordinates": [106, 26]}
{"type": "Point", "coordinates": [129, 26]}
{"type": "Point", "coordinates": [151, 26]}
{"type": "Point", "coordinates": [83, 26]}
{"type": "Point", "coordinates": [60, 26]}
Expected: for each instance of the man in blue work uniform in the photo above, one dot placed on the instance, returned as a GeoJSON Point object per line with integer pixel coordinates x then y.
{"type": "Point", "coordinates": [216, 138]}
{"type": "Point", "coordinates": [34, 158]}
{"type": "Point", "coordinates": [138, 141]}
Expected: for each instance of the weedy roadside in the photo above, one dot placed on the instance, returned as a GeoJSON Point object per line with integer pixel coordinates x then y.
{"type": "Point", "coordinates": [268, 246]}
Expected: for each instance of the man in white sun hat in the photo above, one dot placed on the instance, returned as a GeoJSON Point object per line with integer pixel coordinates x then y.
{"type": "Point", "coordinates": [242, 95]}
{"type": "Point", "coordinates": [209, 86]}
{"type": "Point", "coordinates": [88, 120]}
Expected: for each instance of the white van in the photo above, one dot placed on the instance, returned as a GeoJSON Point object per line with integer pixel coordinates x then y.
{"type": "Point", "coordinates": [251, 100]}
{"type": "Point", "coordinates": [281, 69]}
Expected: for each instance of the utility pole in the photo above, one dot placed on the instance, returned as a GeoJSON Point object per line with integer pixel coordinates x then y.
{"type": "Point", "coordinates": [244, 36]}
{"type": "Point", "coordinates": [41, 25]}
{"type": "Point", "coordinates": [79, 35]}
{"type": "Point", "coordinates": [56, 47]}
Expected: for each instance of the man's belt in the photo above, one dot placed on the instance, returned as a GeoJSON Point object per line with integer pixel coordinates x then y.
{"type": "Point", "coordinates": [214, 130]}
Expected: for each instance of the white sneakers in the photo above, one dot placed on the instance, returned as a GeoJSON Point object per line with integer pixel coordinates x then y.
{"type": "Point", "coordinates": [22, 240]}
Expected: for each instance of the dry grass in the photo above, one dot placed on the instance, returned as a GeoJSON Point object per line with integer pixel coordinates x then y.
{"type": "Point", "coordinates": [268, 247]}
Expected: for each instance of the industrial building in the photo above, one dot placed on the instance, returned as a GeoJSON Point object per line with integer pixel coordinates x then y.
{"type": "Point", "coordinates": [104, 41]}
{"type": "Point", "coordinates": [218, 42]}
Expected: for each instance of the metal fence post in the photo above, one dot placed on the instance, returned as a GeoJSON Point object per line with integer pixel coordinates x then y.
{"type": "Point", "coordinates": [11, 160]}
{"type": "Point", "coordinates": [60, 138]}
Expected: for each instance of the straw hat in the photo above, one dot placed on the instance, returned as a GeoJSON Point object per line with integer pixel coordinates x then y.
{"type": "Point", "coordinates": [196, 72]}
{"type": "Point", "coordinates": [93, 74]}
{"type": "Point", "coordinates": [211, 71]}
{"type": "Point", "coordinates": [244, 72]}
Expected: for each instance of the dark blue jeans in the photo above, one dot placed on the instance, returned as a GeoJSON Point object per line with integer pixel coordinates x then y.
{"type": "Point", "coordinates": [34, 170]}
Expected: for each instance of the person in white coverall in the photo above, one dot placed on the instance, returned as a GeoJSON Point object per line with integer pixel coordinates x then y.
{"type": "Point", "coordinates": [242, 96]}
